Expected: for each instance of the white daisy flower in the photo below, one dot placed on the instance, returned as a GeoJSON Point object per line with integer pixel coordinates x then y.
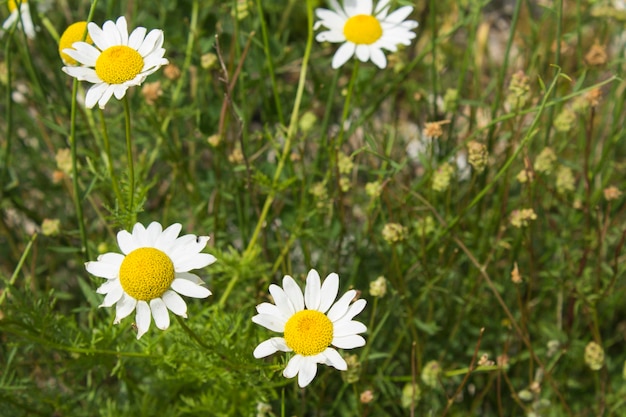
{"type": "Point", "coordinates": [364, 30]}
{"type": "Point", "coordinates": [23, 12]}
{"type": "Point", "coordinates": [310, 324]}
{"type": "Point", "coordinates": [117, 61]}
{"type": "Point", "coordinates": [151, 272]}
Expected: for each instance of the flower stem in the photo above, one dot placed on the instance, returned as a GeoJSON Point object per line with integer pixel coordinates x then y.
{"type": "Point", "coordinates": [109, 161]}
{"type": "Point", "coordinates": [131, 165]}
{"type": "Point", "coordinates": [293, 123]}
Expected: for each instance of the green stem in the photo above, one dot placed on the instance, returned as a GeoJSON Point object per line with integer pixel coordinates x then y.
{"type": "Point", "coordinates": [18, 268]}
{"type": "Point", "coordinates": [109, 161]}
{"type": "Point", "coordinates": [344, 113]}
{"type": "Point", "coordinates": [131, 165]}
{"type": "Point", "coordinates": [293, 123]}
{"type": "Point", "coordinates": [4, 170]}
{"type": "Point", "coordinates": [270, 62]}
{"type": "Point", "coordinates": [191, 333]}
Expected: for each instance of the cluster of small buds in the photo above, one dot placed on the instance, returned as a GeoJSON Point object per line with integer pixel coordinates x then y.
{"type": "Point", "coordinates": [394, 232]}
{"type": "Point", "coordinates": [485, 361]}
{"type": "Point", "coordinates": [477, 155]}
{"type": "Point", "coordinates": [214, 140]}
{"type": "Point", "coordinates": [236, 156]}
{"type": "Point", "coordinates": [241, 11]}
{"type": "Point", "coordinates": [565, 181]}
{"type": "Point", "coordinates": [611, 193]}
{"type": "Point", "coordinates": [63, 158]}
{"type": "Point", "coordinates": [345, 184]}
{"type": "Point", "coordinates": [366, 396]}
{"type": "Point", "coordinates": [523, 217]}
{"type": "Point", "coordinates": [442, 177]}
{"type": "Point", "coordinates": [151, 92]}
{"type": "Point", "coordinates": [545, 161]}
{"type": "Point", "coordinates": [208, 60]}
{"type": "Point", "coordinates": [594, 356]}
{"type": "Point", "coordinates": [378, 287]}
{"type": "Point", "coordinates": [344, 163]}
{"type": "Point", "coordinates": [264, 410]}
{"type": "Point", "coordinates": [411, 394]}
{"type": "Point", "coordinates": [451, 100]}
{"type": "Point", "coordinates": [171, 72]}
{"type": "Point", "coordinates": [374, 189]}
{"type": "Point", "coordinates": [320, 193]}
{"type": "Point", "coordinates": [424, 226]}
{"type": "Point", "coordinates": [353, 373]}
{"type": "Point", "coordinates": [433, 129]}
{"type": "Point", "coordinates": [430, 374]}
{"type": "Point", "coordinates": [553, 348]}
{"type": "Point", "coordinates": [50, 227]}
{"type": "Point", "coordinates": [307, 122]}
{"type": "Point", "coordinates": [564, 121]}
{"type": "Point", "coordinates": [516, 277]}
{"type": "Point", "coordinates": [519, 90]}
{"type": "Point", "coordinates": [596, 56]}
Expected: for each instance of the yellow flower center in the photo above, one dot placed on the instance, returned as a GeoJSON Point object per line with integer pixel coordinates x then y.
{"type": "Point", "coordinates": [118, 64]}
{"type": "Point", "coordinates": [146, 273]}
{"type": "Point", "coordinates": [73, 33]}
{"type": "Point", "coordinates": [362, 29]}
{"type": "Point", "coordinates": [308, 332]}
{"type": "Point", "coordinates": [13, 4]}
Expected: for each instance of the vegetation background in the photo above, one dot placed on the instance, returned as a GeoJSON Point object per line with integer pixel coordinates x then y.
{"type": "Point", "coordinates": [499, 227]}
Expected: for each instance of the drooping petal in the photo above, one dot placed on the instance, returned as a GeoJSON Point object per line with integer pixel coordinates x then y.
{"type": "Point", "coordinates": [160, 314]}
{"type": "Point", "coordinates": [115, 293]}
{"type": "Point", "coordinates": [142, 318]}
{"type": "Point", "coordinates": [308, 370]}
{"type": "Point", "coordinates": [108, 286]}
{"type": "Point", "coordinates": [293, 366]}
{"type": "Point", "coordinates": [124, 307]}
{"type": "Point", "coordinates": [334, 359]}
{"type": "Point", "coordinates": [271, 322]}
{"type": "Point", "coordinates": [343, 54]}
{"type": "Point", "coordinates": [175, 303]}
{"type": "Point", "coordinates": [282, 301]}
{"type": "Point", "coordinates": [270, 346]}
{"type": "Point", "coordinates": [378, 57]}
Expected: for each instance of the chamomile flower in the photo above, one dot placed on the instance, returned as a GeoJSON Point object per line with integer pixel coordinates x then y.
{"type": "Point", "coordinates": [20, 13]}
{"type": "Point", "coordinates": [310, 324]}
{"type": "Point", "coordinates": [117, 61]}
{"type": "Point", "coordinates": [150, 273]}
{"type": "Point", "coordinates": [364, 30]}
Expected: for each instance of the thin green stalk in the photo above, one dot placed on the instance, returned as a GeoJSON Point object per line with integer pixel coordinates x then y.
{"type": "Point", "coordinates": [270, 62]}
{"type": "Point", "coordinates": [18, 268]}
{"type": "Point", "coordinates": [433, 66]}
{"type": "Point", "coordinates": [557, 62]}
{"type": "Point", "coordinates": [131, 164]}
{"type": "Point", "coordinates": [109, 161]}
{"type": "Point", "coordinates": [291, 131]}
{"type": "Point", "coordinates": [344, 114]}
{"type": "Point", "coordinates": [4, 170]}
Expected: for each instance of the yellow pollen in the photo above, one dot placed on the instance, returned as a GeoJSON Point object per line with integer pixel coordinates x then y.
{"type": "Point", "coordinates": [118, 64]}
{"type": "Point", "coordinates": [73, 33]}
{"type": "Point", "coordinates": [362, 29]}
{"type": "Point", "coordinates": [308, 332]}
{"type": "Point", "coordinates": [146, 273]}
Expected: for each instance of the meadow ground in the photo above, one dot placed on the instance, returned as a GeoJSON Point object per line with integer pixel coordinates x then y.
{"type": "Point", "coordinates": [465, 191]}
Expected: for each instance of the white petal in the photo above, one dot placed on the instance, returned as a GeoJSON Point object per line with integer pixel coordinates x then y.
{"type": "Point", "coordinates": [293, 366]}
{"type": "Point", "coordinates": [308, 370]}
{"type": "Point", "coordinates": [94, 94]}
{"type": "Point", "coordinates": [84, 53]}
{"type": "Point", "coordinates": [126, 242]}
{"type": "Point", "coordinates": [136, 38]}
{"type": "Point", "coordinates": [341, 306]}
{"type": "Point", "coordinates": [382, 4]}
{"type": "Point", "coordinates": [399, 15]}
{"type": "Point", "coordinates": [312, 293]}
{"type": "Point", "coordinates": [124, 307]}
{"type": "Point", "coordinates": [153, 41]}
{"type": "Point", "coordinates": [294, 293]}
{"type": "Point", "coordinates": [114, 294]}
{"type": "Point", "coordinates": [282, 301]}
{"type": "Point", "coordinates": [343, 54]}
{"type": "Point", "coordinates": [196, 261]}
{"type": "Point", "coordinates": [175, 303]}
{"type": "Point", "coordinates": [108, 286]}
{"type": "Point", "coordinates": [188, 288]}
{"type": "Point", "coordinates": [354, 309]}
{"type": "Point", "coordinates": [267, 308]}
{"type": "Point", "coordinates": [363, 52]}
{"type": "Point", "coordinates": [106, 96]}
{"type": "Point", "coordinates": [122, 29]}
{"type": "Point", "coordinates": [348, 342]}
{"type": "Point", "coordinates": [334, 359]}
{"type": "Point", "coordinates": [160, 314]}
{"type": "Point", "coordinates": [330, 36]}
{"type": "Point", "coordinates": [364, 7]}
{"type": "Point", "coordinates": [273, 323]}
{"type": "Point", "coordinates": [168, 237]}
{"type": "Point", "coordinates": [108, 268]}
{"type": "Point", "coordinates": [348, 328]}
{"type": "Point", "coordinates": [111, 32]}
{"type": "Point", "coordinates": [119, 91]}
{"type": "Point", "coordinates": [142, 318]}
{"type": "Point", "coordinates": [97, 35]}
{"type": "Point", "coordinates": [378, 57]}
{"type": "Point", "coordinates": [328, 293]}
{"type": "Point", "coordinates": [82, 74]}
{"type": "Point", "coordinates": [190, 277]}
{"type": "Point", "coordinates": [270, 346]}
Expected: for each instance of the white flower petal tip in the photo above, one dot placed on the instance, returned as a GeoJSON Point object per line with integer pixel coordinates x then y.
{"type": "Point", "coordinates": [328, 323]}
{"type": "Point", "coordinates": [364, 30]}
{"type": "Point", "coordinates": [117, 60]}
{"type": "Point", "coordinates": [144, 278]}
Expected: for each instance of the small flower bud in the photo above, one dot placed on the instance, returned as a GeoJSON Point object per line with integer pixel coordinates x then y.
{"type": "Point", "coordinates": [545, 161]}
{"type": "Point", "coordinates": [594, 356]}
{"type": "Point", "coordinates": [378, 287]}
{"type": "Point", "coordinates": [430, 374]}
{"type": "Point", "coordinates": [394, 232]}
{"type": "Point", "coordinates": [477, 155]}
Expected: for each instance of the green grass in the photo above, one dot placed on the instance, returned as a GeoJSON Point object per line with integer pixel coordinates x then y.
{"type": "Point", "coordinates": [253, 150]}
